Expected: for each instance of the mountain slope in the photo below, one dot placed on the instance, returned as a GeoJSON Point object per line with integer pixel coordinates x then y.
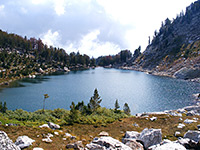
{"type": "Point", "coordinates": [176, 45]}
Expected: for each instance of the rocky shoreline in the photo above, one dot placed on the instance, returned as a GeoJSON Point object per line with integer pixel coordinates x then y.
{"type": "Point", "coordinates": [189, 74]}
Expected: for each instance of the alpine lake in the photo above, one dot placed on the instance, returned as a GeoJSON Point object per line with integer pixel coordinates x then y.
{"type": "Point", "coordinates": [143, 92]}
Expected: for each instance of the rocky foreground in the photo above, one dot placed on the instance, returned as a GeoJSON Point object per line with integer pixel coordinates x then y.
{"type": "Point", "coordinates": [168, 130]}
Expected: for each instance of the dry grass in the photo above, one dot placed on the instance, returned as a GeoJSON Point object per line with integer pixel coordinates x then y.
{"type": "Point", "coordinates": [86, 133]}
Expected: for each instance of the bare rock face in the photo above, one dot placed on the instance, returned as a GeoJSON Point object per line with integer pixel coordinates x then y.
{"type": "Point", "coordinates": [6, 143]}
{"type": "Point", "coordinates": [150, 137]}
{"type": "Point", "coordinates": [104, 143]}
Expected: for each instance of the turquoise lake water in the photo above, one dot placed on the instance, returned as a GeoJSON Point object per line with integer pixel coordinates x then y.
{"type": "Point", "coordinates": [142, 92]}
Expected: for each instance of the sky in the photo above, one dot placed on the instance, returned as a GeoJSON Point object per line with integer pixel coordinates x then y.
{"type": "Point", "coordinates": [92, 27]}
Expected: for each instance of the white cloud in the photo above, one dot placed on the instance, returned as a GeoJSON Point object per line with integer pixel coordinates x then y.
{"type": "Point", "coordinates": [51, 38]}
{"type": "Point", "coordinates": [143, 17]}
{"type": "Point", "coordinates": [90, 44]}
{"type": "Point", "coordinates": [59, 7]}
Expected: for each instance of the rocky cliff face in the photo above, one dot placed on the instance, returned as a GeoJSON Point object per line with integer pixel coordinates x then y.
{"type": "Point", "coordinates": [176, 45]}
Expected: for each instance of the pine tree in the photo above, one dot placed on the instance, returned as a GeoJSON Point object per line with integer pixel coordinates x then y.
{"type": "Point", "coordinates": [126, 109]}
{"type": "Point", "coordinates": [45, 97]}
{"type": "Point", "coordinates": [1, 107]}
{"type": "Point", "coordinates": [116, 105]}
{"type": "Point", "coordinates": [95, 101]}
{"type": "Point", "coordinates": [4, 107]}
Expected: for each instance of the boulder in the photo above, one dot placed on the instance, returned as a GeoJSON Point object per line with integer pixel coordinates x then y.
{"type": "Point", "coordinates": [153, 118]}
{"type": "Point", "coordinates": [37, 148]}
{"type": "Point", "coordinates": [192, 113]}
{"type": "Point", "coordinates": [68, 135]}
{"type": "Point", "coordinates": [44, 126]}
{"type": "Point", "coordinates": [56, 133]}
{"type": "Point", "coordinates": [177, 133]}
{"type": "Point", "coordinates": [40, 70]}
{"type": "Point", "coordinates": [107, 142]}
{"type": "Point", "coordinates": [134, 145]}
{"type": "Point", "coordinates": [53, 125]}
{"type": "Point", "coordinates": [6, 143]}
{"type": "Point", "coordinates": [189, 121]}
{"type": "Point", "coordinates": [193, 135]}
{"type": "Point", "coordinates": [77, 145]}
{"type": "Point", "coordinates": [47, 140]}
{"type": "Point", "coordinates": [132, 134]}
{"type": "Point", "coordinates": [187, 73]}
{"type": "Point", "coordinates": [150, 137]}
{"type": "Point", "coordinates": [187, 143]}
{"type": "Point", "coordinates": [93, 146]}
{"type": "Point", "coordinates": [180, 126]}
{"type": "Point", "coordinates": [24, 141]}
{"type": "Point", "coordinates": [193, 107]}
{"type": "Point", "coordinates": [170, 146]}
{"type": "Point", "coordinates": [198, 126]}
{"type": "Point", "coordinates": [103, 133]}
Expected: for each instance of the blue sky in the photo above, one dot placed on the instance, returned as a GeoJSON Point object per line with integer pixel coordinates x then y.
{"type": "Point", "coordinates": [93, 27]}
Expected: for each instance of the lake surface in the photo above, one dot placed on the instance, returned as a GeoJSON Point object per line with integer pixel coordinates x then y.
{"type": "Point", "coordinates": [142, 92]}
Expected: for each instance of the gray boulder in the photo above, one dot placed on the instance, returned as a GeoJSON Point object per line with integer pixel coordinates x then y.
{"type": "Point", "coordinates": [93, 146]}
{"type": "Point", "coordinates": [187, 73]}
{"type": "Point", "coordinates": [193, 135]}
{"type": "Point", "coordinates": [53, 125]}
{"type": "Point", "coordinates": [6, 143]}
{"type": "Point", "coordinates": [132, 134]}
{"type": "Point", "coordinates": [107, 143]}
{"type": "Point", "coordinates": [187, 143]}
{"type": "Point", "coordinates": [24, 141]}
{"type": "Point", "coordinates": [77, 145]}
{"type": "Point", "coordinates": [170, 146]}
{"type": "Point", "coordinates": [134, 145]}
{"type": "Point", "coordinates": [150, 137]}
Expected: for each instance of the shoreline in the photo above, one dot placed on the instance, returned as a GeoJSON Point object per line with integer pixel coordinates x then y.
{"type": "Point", "coordinates": [156, 73]}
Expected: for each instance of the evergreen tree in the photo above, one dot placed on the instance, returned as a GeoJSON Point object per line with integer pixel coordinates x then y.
{"type": "Point", "coordinates": [73, 116]}
{"type": "Point", "coordinates": [126, 109]}
{"type": "Point", "coordinates": [95, 101]}
{"type": "Point", "coordinates": [116, 106]}
{"type": "Point", "coordinates": [4, 107]}
{"type": "Point", "coordinates": [1, 107]}
{"type": "Point", "coordinates": [45, 97]}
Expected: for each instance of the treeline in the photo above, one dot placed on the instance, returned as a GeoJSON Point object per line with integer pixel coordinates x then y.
{"type": "Point", "coordinates": [21, 56]}
{"type": "Point", "coordinates": [123, 57]}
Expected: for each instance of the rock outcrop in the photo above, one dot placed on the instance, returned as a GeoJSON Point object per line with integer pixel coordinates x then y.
{"type": "Point", "coordinates": [6, 143]}
{"type": "Point", "coordinates": [187, 73]}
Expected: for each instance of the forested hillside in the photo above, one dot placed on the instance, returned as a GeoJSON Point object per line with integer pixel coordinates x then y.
{"type": "Point", "coordinates": [20, 57]}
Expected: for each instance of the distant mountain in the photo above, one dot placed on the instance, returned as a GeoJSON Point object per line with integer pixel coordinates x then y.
{"type": "Point", "coordinates": [175, 46]}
